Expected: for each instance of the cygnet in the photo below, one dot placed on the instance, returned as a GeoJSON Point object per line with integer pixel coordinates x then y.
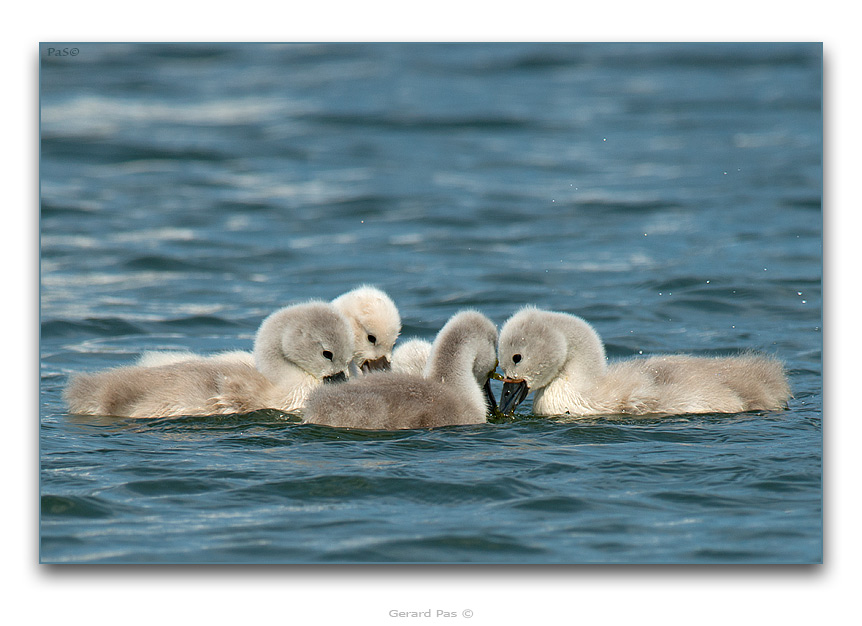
{"type": "Point", "coordinates": [411, 356]}
{"type": "Point", "coordinates": [454, 390]}
{"type": "Point", "coordinates": [296, 349]}
{"type": "Point", "coordinates": [561, 358]}
{"type": "Point", "coordinates": [376, 325]}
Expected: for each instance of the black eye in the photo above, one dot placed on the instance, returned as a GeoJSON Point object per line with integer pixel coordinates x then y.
{"type": "Point", "coordinates": [516, 358]}
{"type": "Point", "coordinates": [327, 354]}
{"type": "Point", "coordinates": [372, 339]}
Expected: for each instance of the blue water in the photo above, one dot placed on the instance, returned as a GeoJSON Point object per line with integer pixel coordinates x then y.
{"type": "Point", "coordinates": [669, 194]}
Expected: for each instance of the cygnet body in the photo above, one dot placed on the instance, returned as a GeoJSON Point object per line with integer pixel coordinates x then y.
{"type": "Point", "coordinates": [561, 358]}
{"type": "Point", "coordinates": [295, 350]}
{"type": "Point", "coordinates": [157, 358]}
{"type": "Point", "coordinates": [411, 356]}
{"type": "Point", "coordinates": [453, 391]}
{"type": "Point", "coordinates": [375, 323]}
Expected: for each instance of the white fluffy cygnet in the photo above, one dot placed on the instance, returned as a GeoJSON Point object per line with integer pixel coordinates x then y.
{"type": "Point", "coordinates": [295, 350]}
{"type": "Point", "coordinates": [453, 392]}
{"type": "Point", "coordinates": [411, 356]}
{"type": "Point", "coordinates": [562, 360]}
{"type": "Point", "coordinates": [376, 325]}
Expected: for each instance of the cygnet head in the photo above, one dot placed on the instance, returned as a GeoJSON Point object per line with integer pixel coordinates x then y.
{"type": "Point", "coordinates": [375, 323]}
{"type": "Point", "coordinates": [467, 342]}
{"type": "Point", "coordinates": [536, 347]}
{"type": "Point", "coordinates": [314, 337]}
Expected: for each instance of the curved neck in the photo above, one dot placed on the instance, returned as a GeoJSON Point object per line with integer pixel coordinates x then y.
{"type": "Point", "coordinates": [270, 360]}
{"type": "Point", "coordinates": [585, 354]}
{"type": "Point", "coordinates": [452, 361]}
{"type": "Point", "coordinates": [278, 371]}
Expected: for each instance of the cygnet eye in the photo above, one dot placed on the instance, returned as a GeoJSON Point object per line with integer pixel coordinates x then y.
{"type": "Point", "coordinates": [516, 358]}
{"type": "Point", "coordinates": [372, 339]}
{"type": "Point", "coordinates": [327, 355]}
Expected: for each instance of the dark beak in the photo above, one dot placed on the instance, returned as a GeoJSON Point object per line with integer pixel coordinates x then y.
{"type": "Point", "coordinates": [514, 392]}
{"type": "Point", "coordinates": [490, 400]}
{"type": "Point", "coordinates": [340, 377]}
{"type": "Point", "coordinates": [380, 364]}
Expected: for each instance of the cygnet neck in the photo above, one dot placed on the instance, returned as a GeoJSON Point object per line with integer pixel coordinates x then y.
{"type": "Point", "coordinates": [452, 362]}
{"type": "Point", "coordinates": [457, 348]}
{"type": "Point", "coordinates": [271, 361]}
{"type": "Point", "coordinates": [586, 361]}
{"type": "Point", "coordinates": [269, 357]}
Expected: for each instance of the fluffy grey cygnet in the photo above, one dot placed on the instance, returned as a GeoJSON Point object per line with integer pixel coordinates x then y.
{"type": "Point", "coordinates": [453, 391]}
{"type": "Point", "coordinates": [296, 349]}
{"type": "Point", "coordinates": [561, 359]}
{"type": "Point", "coordinates": [376, 325]}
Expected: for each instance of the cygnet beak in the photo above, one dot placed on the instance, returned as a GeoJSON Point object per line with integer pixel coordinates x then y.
{"type": "Point", "coordinates": [513, 394]}
{"type": "Point", "coordinates": [489, 397]}
{"type": "Point", "coordinates": [380, 364]}
{"type": "Point", "coordinates": [340, 377]}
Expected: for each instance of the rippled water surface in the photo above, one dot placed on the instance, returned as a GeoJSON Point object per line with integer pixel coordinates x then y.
{"type": "Point", "coordinates": [670, 194]}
